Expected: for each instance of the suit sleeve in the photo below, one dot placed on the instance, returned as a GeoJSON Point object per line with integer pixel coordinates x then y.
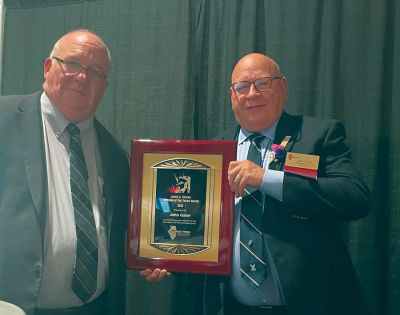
{"type": "Point", "coordinates": [339, 193]}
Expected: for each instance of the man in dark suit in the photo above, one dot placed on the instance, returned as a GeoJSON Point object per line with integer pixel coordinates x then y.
{"type": "Point", "coordinates": [308, 270]}
{"type": "Point", "coordinates": [38, 239]}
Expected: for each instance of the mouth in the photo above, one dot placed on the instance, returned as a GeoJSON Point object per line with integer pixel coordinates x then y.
{"type": "Point", "coordinates": [77, 90]}
{"type": "Point", "coordinates": [250, 107]}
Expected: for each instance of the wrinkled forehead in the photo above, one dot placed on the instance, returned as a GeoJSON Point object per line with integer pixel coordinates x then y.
{"type": "Point", "coordinates": [254, 67]}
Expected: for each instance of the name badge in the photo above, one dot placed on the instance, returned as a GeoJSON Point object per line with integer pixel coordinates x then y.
{"type": "Point", "coordinates": [302, 164]}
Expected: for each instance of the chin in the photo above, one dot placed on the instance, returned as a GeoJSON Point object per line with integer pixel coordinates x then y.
{"type": "Point", "coordinates": [255, 126]}
{"type": "Point", "coordinates": [250, 127]}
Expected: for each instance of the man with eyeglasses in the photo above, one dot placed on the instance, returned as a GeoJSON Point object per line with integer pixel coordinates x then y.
{"type": "Point", "coordinates": [63, 189]}
{"type": "Point", "coordinates": [306, 267]}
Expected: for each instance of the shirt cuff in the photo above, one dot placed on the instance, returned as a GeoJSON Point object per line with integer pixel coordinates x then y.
{"type": "Point", "coordinates": [272, 184]}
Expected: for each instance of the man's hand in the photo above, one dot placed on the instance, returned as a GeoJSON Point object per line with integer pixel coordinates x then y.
{"type": "Point", "coordinates": [154, 275]}
{"type": "Point", "coordinates": [242, 174]}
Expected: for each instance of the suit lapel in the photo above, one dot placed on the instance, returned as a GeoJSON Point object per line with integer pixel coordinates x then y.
{"type": "Point", "coordinates": [108, 177]}
{"type": "Point", "coordinates": [29, 122]}
{"type": "Point", "coordinates": [288, 125]}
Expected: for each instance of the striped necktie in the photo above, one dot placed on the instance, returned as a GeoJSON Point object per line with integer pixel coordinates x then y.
{"type": "Point", "coordinates": [252, 264]}
{"type": "Point", "coordinates": [84, 281]}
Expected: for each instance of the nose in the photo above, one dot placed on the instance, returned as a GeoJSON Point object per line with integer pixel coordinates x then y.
{"type": "Point", "coordinates": [252, 90]}
{"type": "Point", "coordinates": [82, 73]}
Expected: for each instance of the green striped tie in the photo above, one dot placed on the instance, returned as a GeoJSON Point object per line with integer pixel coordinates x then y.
{"type": "Point", "coordinates": [84, 281]}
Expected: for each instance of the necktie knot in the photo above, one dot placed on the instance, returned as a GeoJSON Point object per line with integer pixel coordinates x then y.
{"type": "Point", "coordinates": [256, 139]}
{"type": "Point", "coordinates": [75, 149]}
{"type": "Point", "coordinates": [73, 130]}
{"type": "Point", "coordinates": [254, 153]}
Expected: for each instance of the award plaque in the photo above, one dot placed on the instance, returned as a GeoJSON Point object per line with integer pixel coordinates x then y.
{"type": "Point", "coordinates": [181, 206]}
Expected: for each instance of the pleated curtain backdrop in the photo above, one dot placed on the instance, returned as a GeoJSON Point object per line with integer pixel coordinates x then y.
{"type": "Point", "coordinates": [170, 79]}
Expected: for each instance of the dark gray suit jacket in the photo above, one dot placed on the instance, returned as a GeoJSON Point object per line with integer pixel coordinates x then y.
{"type": "Point", "coordinates": [314, 267]}
{"type": "Point", "coordinates": [23, 204]}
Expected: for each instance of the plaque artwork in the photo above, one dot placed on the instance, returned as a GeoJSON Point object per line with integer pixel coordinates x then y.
{"type": "Point", "coordinates": [181, 208]}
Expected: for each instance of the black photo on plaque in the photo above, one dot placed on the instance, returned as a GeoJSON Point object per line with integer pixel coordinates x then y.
{"type": "Point", "coordinates": [180, 207]}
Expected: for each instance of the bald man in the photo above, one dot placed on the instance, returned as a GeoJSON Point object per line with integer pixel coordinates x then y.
{"type": "Point", "coordinates": [307, 268]}
{"type": "Point", "coordinates": [38, 231]}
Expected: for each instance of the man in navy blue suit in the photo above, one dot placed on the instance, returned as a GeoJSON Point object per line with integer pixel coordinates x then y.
{"type": "Point", "coordinates": [308, 269]}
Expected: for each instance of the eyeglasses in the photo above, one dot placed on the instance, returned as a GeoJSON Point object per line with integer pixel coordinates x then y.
{"type": "Point", "coordinates": [73, 67]}
{"type": "Point", "coordinates": [261, 84]}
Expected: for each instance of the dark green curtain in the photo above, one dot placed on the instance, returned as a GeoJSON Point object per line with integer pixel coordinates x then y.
{"type": "Point", "coordinates": [170, 78]}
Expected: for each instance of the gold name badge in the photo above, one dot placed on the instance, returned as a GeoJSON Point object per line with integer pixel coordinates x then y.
{"type": "Point", "coordinates": [302, 160]}
{"type": "Point", "coordinates": [302, 164]}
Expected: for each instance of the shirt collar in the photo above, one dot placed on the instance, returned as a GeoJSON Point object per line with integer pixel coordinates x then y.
{"type": "Point", "coordinates": [267, 132]}
{"type": "Point", "coordinates": [56, 120]}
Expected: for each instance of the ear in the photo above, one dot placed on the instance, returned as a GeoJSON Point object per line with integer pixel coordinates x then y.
{"type": "Point", "coordinates": [285, 85]}
{"type": "Point", "coordinates": [285, 81]}
{"type": "Point", "coordinates": [48, 63]}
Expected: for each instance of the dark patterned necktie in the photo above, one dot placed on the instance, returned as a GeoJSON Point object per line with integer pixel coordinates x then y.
{"type": "Point", "coordinates": [84, 281]}
{"type": "Point", "coordinates": [252, 264]}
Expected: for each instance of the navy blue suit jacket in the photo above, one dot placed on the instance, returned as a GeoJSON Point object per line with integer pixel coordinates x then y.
{"type": "Point", "coordinates": [314, 267]}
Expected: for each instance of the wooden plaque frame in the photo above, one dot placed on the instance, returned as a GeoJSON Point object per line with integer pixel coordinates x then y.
{"type": "Point", "coordinates": [181, 206]}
